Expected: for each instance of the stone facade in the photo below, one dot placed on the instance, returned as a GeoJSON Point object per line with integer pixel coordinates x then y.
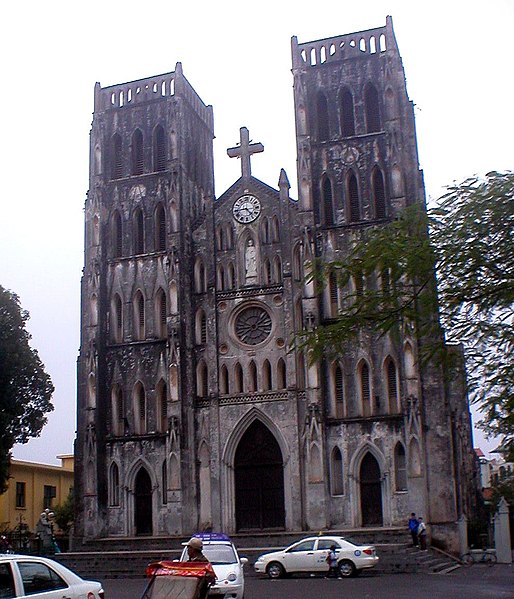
{"type": "Point", "coordinates": [194, 409]}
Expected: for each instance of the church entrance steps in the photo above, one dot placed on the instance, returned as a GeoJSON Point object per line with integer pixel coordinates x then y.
{"type": "Point", "coordinates": [128, 557]}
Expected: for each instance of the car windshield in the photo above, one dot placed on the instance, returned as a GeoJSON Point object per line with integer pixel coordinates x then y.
{"type": "Point", "coordinates": [219, 554]}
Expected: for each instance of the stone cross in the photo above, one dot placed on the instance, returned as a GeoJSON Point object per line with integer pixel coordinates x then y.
{"type": "Point", "coordinates": [244, 150]}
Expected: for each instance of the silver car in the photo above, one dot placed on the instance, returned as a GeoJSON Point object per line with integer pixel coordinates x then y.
{"type": "Point", "coordinates": [27, 575]}
{"type": "Point", "coordinates": [310, 555]}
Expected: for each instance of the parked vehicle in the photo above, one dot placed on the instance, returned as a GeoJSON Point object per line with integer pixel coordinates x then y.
{"type": "Point", "coordinates": [225, 560]}
{"type": "Point", "coordinates": [310, 554]}
{"type": "Point", "coordinates": [23, 575]}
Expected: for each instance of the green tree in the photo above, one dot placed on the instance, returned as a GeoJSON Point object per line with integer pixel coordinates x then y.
{"type": "Point", "coordinates": [64, 513]}
{"type": "Point", "coordinates": [470, 251]}
{"type": "Point", "coordinates": [25, 387]}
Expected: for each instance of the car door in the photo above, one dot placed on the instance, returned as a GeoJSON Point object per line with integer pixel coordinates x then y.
{"type": "Point", "coordinates": [7, 586]}
{"type": "Point", "coordinates": [40, 581]}
{"type": "Point", "coordinates": [300, 557]}
{"type": "Point", "coordinates": [321, 551]}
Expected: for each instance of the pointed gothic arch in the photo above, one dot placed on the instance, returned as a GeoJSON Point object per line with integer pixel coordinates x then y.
{"type": "Point", "coordinates": [372, 109]}
{"type": "Point", "coordinates": [323, 120]}
{"type": "Point", "coordinates": [139, 409]}
{"type": "Point", "coordinates": [116, 157]}
{"type": "Point", "coordinates": [364, 387]}
{"type": "Point", "coordinates": [114, 485]}
{"type": "Point", "coordinates": [400, 467]}
{"type": "Point", "coordinates": [159, 149]}
{"type": "Point", "coordinates": [392, 385]}
{"type": "Point", "coordinates": [161, 406]}
{"type": "Point", "coordinates": [327, 201]}
{"type": "Point", "coordinates": [353, 203]}
{"type": "Point", "coordinates": [336, 472]}
{"type": "Point", "coordinates": [137, 153]}
{"type": "Point", "coordinates": [160, 228]}
{"type": "Point", "coordinates": [347, 113]}
{"type": "Point", "coordinates": [139, 315]}
{"type": "Point", "coordinates": [116, 235]}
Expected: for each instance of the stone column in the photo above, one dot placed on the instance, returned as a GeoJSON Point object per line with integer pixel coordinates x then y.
{"type": "Point", "coordinates": [462, 525]}
{"type": "Point", "coordinates": [502, 533]}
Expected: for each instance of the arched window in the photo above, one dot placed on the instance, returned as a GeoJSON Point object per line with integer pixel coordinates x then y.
{"type": "Point", "coordinates": [117, 411]}
{"type": "Point", "coordinates": [161, 406]}
{"type": "Point", "coordinates": [332, 292]}
{"type": "Point", "coordinates": [230, 276]}
{"type": "Point", "coordinates": [252, 377]}
{"type": "Point", "coordinates": [238, 378]}
{"type": "Point", "coordinates": [281, 374]}
{"type": "Point", "coordinates": [400, 471]}
{"type": "Point", "coordinates": [229, 237]}
{"type": "Point", "coordinates": [139, 232]}
{"type": "Point", "coordinates": [358, 283]}
{"type": "Point", "coordinates": [116, 158]}
{"type": "Point", "coordinates": [365, 389]}
{"type": "Point", "coordinates": [139, 316]}
{"type": "Point", "coordinates": [137, 152]}
{"type": "Point", "coordinates": [220, 277]}
{"type": "Point", "coordinates": [267, 275]}
{"type": "Point", "coordinates": [265, 230]}
{"type": "Point", "coordinates": [160, 228]}
{"type": "Point", "coordinates": [117, 319]}
{"type": "Point", "coordinates": [322, 109]}
{"type": "Point", "coordinates": [277, 270]}
{"type": "Point", "coordinates": [200, 327]}
{"type": "Point", "coordinates": [275, 235]}
{"type": "Point", "coordinates": [347, 116]}
{"type": "Point", "coordinates": [139, 409]}
{"type": "Point", "coordinates": [336, 471]}
{"type": "Point", "coordinates": [114, 485]}
{"type": "Point", "coordinates": [161, 314]}
{"type": "Point", "coordinates": [353, 198]}
{"type": "Point", "coordinates": [378, 191]}
{"type": "Point", "coordinates": [297, 263]}
{"type": "Point", "coordinates": [224, 389]}
{"type": "Point", "coordinates": [219, 238]}
{"type": "Point", "coordinates": [200, 278]}
{"type": "Point", "coordinates": [392, 386]}
{"type": "Point", "coordinates": [328, 201]}
{"type": "Point", "coordinates": [266, 376]}
{"type": "Point", "coordinates": [159, 149]}
{"type": "Point", "coordinates": [201, 379]}
{"type": "Point", "coordinates": [338, 391]}
{"type": "Point", "coordinates": [164, 482]}
{"type": "Point", "coordinates": [117, 235]}
{"type": "Point", "coordinates": [372, 109]}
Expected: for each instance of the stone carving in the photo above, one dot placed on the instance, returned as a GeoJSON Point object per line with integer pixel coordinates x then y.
{"type": "Point", "coordinates": [250, 261]}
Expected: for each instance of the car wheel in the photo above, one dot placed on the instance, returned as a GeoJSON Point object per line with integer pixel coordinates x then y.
{"type": "Point", "coordinates": [275, 570]}
{"type": "Point", "coordinates": [346, 568]}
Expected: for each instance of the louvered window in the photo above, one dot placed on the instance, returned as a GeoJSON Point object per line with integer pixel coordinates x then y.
{"type": "Point", "coordinates": [139, 242]}
{"type": "Point", "coordinates": [353, 194]}
{"type": "Point", "coordinates": [379, 194]}
{"type": "Point", "coordinates": [160, 228]}
{"type": "Point", "coordinates": [117, 158]}
{"type": "Point", "coordinates": [159, 149]}
{"type": "Point", "coordinates": [323, 128]}
{"type": "Point", "coordinates": [137, 153]}
{"type": "Point", "coordinates": [372, 109]}
{"type": "Point", "coordinates": [347, 116]}
{"type": "Point", "coordinates": [339, 391]}
{"type": "Point", "coordinates": [392, 387]}
{"type": "Point", "coordinates": [365, 390]}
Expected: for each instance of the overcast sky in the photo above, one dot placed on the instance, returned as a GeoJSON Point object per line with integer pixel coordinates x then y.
{"type": "Point", "coordinates": [458, 58]}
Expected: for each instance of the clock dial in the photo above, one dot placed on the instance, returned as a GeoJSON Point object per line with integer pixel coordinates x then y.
{"type": "Point", "coordinates": [246, 209]}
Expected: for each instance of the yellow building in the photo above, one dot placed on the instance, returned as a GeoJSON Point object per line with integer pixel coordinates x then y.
{"type": "Point", "coordinates": [32, 488]}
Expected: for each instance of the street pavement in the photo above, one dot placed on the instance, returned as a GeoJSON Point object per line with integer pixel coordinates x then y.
{"type": "Point", "coordinates": [476, 582]}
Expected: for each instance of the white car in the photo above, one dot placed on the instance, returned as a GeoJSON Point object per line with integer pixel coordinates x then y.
{"type": "Point", "coordinates": [310, 555]}
{"type": "Point", "coordinates": [27, 575]}
{"type": "Point", "coordinates": [227, 565]}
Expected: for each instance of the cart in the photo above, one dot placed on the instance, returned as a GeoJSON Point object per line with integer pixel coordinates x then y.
{"type": "Point", "coordinates": [178, 580]}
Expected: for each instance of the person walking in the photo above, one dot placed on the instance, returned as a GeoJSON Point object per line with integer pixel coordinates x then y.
{"type": "Point", "coordinates": [332, 563]}
{"type": "Point", "coordinates": [422, 534]}
{"type": "Point", "coordinates": [413, 529]}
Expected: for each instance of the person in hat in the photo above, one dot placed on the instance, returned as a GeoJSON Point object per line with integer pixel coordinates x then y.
{"type": "Point", "coordinates": [195, 554]}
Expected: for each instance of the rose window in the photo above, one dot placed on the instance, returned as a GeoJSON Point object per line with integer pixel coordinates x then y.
{"type": "Point", "coordinates": [253, 325]}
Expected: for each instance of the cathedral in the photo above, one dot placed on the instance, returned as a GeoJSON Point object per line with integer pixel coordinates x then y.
{"type": "Point", "coordinates": [196, 411]}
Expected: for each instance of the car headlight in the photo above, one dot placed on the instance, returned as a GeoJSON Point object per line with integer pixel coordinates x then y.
{"type": "Point", "coordinates": [232, 577]}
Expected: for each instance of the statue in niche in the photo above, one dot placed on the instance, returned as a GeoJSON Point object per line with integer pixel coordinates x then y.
{"type": "Point", "coordinates": [250, 261]}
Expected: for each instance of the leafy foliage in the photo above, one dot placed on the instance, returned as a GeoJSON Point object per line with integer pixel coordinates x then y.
{"type": "Point", "coordinates": [389, 275]}
{"type": "Point", "coordinates": [64, 513]}
{"type": "Point", "coordinates": [25, 387]}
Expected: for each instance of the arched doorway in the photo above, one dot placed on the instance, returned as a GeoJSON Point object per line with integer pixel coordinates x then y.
{"type": "Point", "coordinates": [371, 492]}
{"type": "Point", "coordinates": [143, 503]}
{"type": "Point", "coordinates": [259, 480]}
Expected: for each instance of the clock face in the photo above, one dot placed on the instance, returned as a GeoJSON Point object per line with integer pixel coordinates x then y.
{"type": "Point", "coordinates": [246, 209]}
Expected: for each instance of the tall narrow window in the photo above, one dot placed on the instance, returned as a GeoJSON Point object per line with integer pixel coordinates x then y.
{"type": "Point", "coordinates": [230, 276]}
{"type": "Point", "coordinates": [267, 272]}
{"type": "Point", "coordinates": [114, 486]}
{"type": "Point", "coordinates": [323, 128]}
{"type": "Point", "coordinates": [339, 391]}
{"type": "Point", "coordinates": [252, 377]}
{"type": "Point", "coordinates": [118, 411]}
{"type": "Point", "coordinates": [139, 409]}
{"type": "Point", "coordinates": [328, 201]}
{"type": "Point", "coordinates": [336, 470]}
{"type": "Point", "coordinates": [372, 109]}
{"type": "Point", "coordinates": [275, 234]}
{"type": "Point", "coordinates": [159, 149]}
{"type": "Point", "coordinates": [161, 401]}
{"type": "Point", "coordinates": [297, 263]}
{"type": "Point", "coordinates": [333, 295]}
{"type": "Point", "coordinates": [137, 152]}
{"type": "Point", "coordinates": [116, 158]}
{"type": "Point", "coordinates": [347, 115]}
{"type": "Point", "coordinates": [358, 280]}
{"type": "Point", "coordinates": [353, 197]}
{"type": "Point", "coordinates": [49, 494]}
{"type": "Point", "coordinates": [400, 469]}
{"type": "Point", "coordinates": [378, 190]}
{"type": "Point", "coordinates": [161, 314]}
{"type": "Point", "coordinates": [229, 237]}
{"type": "Point", "coordinates": [281, 374]}
{"type": "Point", "coordinates": [117, 235]}
{"type": "Point", "coordinates": [224, 380]}
{"type": "Point", "coordinates": [392, 386]}
{"type": "Point", "coordinates": [238, 378]}
{"type": "Point", "coordinates": [277, 270]}
{"type": "Point", "coordinates": [220, 277]}
{"type": "Point", "coordinates": [365, 389]}
{"type": "Point", "coordinates": [266, 376]}
{"type": "Point", "coordinates": [117, 319]}
{"type": "Point", "coordinates": [164, 482]}
{"type": "Point", "coordinates": [201, 327]}
{"type": "Point", "coordinates": [201, 379]}
{"type": "Point", "coordinates": [139, 316]}
{"type": "Point", "coordinates": [200, 279]}
{"type": "Point", "coordinates": [160, 228]}
{"type": "Point", "coordinates": [139, 235]}
{"type": "Point", "coordinates": [20, 494]}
